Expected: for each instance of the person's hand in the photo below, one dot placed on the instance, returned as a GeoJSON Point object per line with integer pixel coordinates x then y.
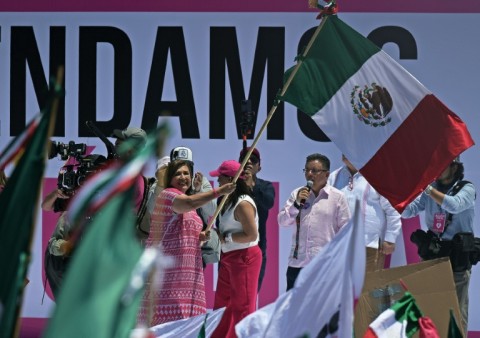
{"type": "Point", "coordinates": [388, 248]}
{"type": "Point", "coordinates": [302, 194]}
{"type": "Point", "coordinates": [226, 188]}
{"type": "Point", "coordinates": [65, 248]}
{"type": "Point", "coordinates": [61, 194]}
{"type": "Point", "coordinates": [197, 181]}
{"type": "Point", "coordinates": [204, 236]}
{"type": "Point", "coordinates": [248, 178]}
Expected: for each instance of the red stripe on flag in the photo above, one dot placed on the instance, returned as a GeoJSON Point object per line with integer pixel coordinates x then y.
{"type": "Point", "coordinates": [419, 150]}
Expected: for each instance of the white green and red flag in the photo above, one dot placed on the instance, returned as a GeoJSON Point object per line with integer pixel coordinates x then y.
{"type": "Point", "coordinates": [399, 135]}
{"type": "Point", "coordinates": [403, 319]}
{"type": "Point", "coordinates": [17, 145]}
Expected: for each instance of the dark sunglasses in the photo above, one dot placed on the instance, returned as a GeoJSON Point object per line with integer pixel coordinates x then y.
{"type": "Point", "coordinates": [254, 159]}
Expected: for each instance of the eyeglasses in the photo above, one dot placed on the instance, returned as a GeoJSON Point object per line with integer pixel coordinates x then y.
{"type": "Point", "coordinates": [313, 171]}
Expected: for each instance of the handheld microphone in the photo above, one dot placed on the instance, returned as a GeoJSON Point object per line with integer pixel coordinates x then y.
{"type": "Point", "coordinates": [309, 187]}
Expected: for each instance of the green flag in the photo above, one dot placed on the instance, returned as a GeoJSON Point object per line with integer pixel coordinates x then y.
{"type": "Point", "coordinates": [19, 201]}
{"type": "Point", "coordinates": [90, 302]}
{"type": "Point", "coordinates": [99, 297]}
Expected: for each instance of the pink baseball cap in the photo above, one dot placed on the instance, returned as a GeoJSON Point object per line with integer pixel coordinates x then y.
{"type": "Point", "coordinates": [227, 168]}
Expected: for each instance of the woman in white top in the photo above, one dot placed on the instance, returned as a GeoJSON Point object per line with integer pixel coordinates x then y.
{"type": "Point", "coordinates": [241, 257]}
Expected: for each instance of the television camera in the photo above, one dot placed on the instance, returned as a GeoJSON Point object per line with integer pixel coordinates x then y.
{"type": "Point", "coordinates": [79, 166]}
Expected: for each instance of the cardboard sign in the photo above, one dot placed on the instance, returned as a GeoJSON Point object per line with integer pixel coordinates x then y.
{"type": "Point", "coordinates": [430, 282]}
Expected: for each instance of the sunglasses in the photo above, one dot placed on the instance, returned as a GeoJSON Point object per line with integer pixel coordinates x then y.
{"type": "Point", "coordinates": [254, 159]}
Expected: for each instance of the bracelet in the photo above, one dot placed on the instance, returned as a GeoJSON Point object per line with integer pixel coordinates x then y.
{"type": "Point", "coordinates": [428, 190]}
{"type": "Point", "coordinates": [215, 193]}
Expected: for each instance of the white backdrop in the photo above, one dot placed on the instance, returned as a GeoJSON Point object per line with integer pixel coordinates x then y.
{"type": "Point", "coordinates": [447, 64]}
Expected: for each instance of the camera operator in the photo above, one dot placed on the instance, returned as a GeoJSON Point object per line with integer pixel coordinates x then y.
{"type": "Point", "coordinates": [138, 139]}
{"type": "Point", "coordinates": [449, 204]}
{"type": "Point", "coordinates": [57, 253]}
{"type": "Point", "coordinates": [59, 248]}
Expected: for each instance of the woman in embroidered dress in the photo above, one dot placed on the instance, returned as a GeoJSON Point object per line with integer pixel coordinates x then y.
{"type": "Point", "coordinates": [176, 225]}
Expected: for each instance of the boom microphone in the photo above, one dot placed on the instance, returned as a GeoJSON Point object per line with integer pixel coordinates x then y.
{"type": "Point", "coordinates": [309, 187]}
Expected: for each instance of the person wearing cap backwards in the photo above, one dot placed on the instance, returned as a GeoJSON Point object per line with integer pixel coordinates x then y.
{"type": "Point", "coordinates": [200, 184]}
{"type": "Point", "coordinates": [241, 257]}
{"type": "Point", "coordinates": [264, 197]}
{"type": "Point", "coordinates": [176, 225]}
{"type": "Point", "coordinates": [449, 206]}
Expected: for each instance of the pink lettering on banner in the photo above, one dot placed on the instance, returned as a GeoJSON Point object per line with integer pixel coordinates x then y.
{"type": "Point", "coordinates": [373, 6]}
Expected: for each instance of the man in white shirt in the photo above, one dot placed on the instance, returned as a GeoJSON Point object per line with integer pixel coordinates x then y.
{"type": "Point", "coordinates": [381, 222]}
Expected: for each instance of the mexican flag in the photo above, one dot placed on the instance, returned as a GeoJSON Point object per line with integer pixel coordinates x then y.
{"type": "Point", "coordinates": [103, 287]}
{"type": "Point", "coordinates": [403, 319]}
{"type": "Point", "coordinates": [19, 201]}
{"type": "Point", "coordinates": [392, 128]}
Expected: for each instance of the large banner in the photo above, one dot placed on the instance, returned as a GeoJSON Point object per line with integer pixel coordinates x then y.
{"type": "Point", "coordinates": [138, 63]}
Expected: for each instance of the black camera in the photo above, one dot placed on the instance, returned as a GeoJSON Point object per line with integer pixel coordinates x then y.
{"type": "Point", "coordinates": [72, 176]}
{"type": "Point", "coordinates": [66, 150]}
{"type": "Point", "coordinates": [429, 246]}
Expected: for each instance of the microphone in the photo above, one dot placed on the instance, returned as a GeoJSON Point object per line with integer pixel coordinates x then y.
{"type": "Point", "coordinates": [309, 187]}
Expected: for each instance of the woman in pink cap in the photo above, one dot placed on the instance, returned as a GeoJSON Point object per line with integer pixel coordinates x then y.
{"type": "Point", "coordinates": [176, 225]}
{"type": "Point", "coordinates": [241, 257]}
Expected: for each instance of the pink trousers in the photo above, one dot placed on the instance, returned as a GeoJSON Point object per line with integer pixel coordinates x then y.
{"type": "Point", "coordinates": [236, 288]}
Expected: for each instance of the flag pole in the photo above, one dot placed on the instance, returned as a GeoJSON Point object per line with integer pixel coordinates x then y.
{"type": "Point", "coordinates": [269, 117]}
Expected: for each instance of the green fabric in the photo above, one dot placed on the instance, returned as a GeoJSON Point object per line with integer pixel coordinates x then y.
{"type": "Point", "coordinates": [89, 303]}
{"type": "Point", "coordinates": [337, 53]}
{"type": "Point", "coordinates": [19, 201]}
{"type": "Point", "coordinates": [453, 329]}
{"type": "Point", "coordinates": [203, 329]}
{"type": "Point", "coordinates": [407, 309]}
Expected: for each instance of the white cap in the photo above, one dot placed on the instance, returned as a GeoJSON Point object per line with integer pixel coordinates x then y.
{"type": "Point", "coordinates": [181, 153]}
{"type": "Point", "coordinates": [163, 162]}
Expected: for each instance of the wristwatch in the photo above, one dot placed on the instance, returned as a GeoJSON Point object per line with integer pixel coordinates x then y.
{"type": "Point", "coordinates": [428, 190]}
{"type": "Point", "coordinates": [228, 238]}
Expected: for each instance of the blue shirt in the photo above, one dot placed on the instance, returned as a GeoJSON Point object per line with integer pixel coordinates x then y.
{"type": "Point", "coordinates": [461, 206]}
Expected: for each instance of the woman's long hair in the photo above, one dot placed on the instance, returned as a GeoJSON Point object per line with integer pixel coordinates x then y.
{"type": "Point", "coordinates": [172, 169]}
{"type": "Point", "coordinates": [241, 189]}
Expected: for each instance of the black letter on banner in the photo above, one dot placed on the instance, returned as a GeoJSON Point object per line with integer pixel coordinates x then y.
{"type": "Point", "coordinates": [90, 37]}
{"type": "Point", "coordinates": [224, 51]}
{"type": "Point", "coordinates": [309, 128]}
{"type": "Point", "coordinates": [400, 36]}
{"type": "Point", "coordinates": [171, 38]}
{"type": "Point", "coordinates": [24, 51]}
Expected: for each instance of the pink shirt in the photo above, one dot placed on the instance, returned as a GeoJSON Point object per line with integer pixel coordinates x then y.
{"type": "Point", "coordinates": [321, 218]}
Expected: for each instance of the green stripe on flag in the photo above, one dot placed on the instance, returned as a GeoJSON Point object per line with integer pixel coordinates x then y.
{"type": "Point", "coordinates": [337, 53]}
{"type": "Point", "coordinates": [89, 304]}
{"type": "Point", "coordinates": [19, 201]}
{"type": "Point", "coordinates": [407, 309]}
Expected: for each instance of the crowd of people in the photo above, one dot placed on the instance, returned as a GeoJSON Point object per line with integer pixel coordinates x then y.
{"type": "Point", "coordinates": [181, 202]}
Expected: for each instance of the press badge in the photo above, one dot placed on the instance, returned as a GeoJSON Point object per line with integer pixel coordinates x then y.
{"type": "Point", "coordinates": [439, 222]}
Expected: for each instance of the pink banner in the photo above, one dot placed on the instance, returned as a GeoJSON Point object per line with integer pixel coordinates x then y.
{"type": "Point", "coordinates": [372, 6]}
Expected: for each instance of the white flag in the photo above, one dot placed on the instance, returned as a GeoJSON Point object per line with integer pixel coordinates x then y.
{"type": "Point", "coordinates": [323, 296]}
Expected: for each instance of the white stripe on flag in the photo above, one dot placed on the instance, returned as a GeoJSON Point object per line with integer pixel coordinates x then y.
{"type": "Point", "coordinates": [189, 327]}
{"type": "Point", "coordinates": [323, 288]}
{"type": "Point", "coordinates": [363, 140]}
